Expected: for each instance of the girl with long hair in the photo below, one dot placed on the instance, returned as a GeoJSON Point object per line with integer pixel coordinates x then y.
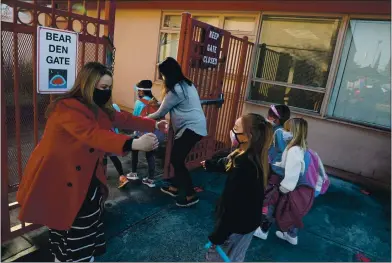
{"type": "Point", "coordinates": [181, 99]}
{"type": "Point", "coordinates": [291, 197]}
{"type": "Point", "coordinates": [64, 184]}
{"type": "Point", "coordinates": [240, 207]}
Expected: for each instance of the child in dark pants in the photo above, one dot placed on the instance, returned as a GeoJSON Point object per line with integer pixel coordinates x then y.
{"type": "Point", "coordinates": [117, 164]}
{"type": "Point", "coordinates": [143, 107]}
{"type": "Point", "coordinates": [149, 180]}
{"type": "Point", "coordinates": [122, 180]}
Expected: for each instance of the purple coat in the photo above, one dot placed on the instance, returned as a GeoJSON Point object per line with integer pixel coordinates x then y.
{"type": "Point", "coordinates": [290, 208]}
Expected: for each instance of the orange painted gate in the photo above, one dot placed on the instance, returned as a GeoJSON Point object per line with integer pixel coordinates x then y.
{"type": "Point", "coordinates": [22, 109]}
{"type": "Point", "coordinates": [225, 83]}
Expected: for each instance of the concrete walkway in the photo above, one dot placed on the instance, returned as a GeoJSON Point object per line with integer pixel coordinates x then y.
{"type": "Point", "coordinates": [142, 224]}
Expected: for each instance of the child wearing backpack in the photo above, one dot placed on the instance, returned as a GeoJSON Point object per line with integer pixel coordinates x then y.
{"type": "Point", "coordinates": [144, 107]}
{"type": "Point", "coordinates": [277, 116]}
{"type": "Point", "coordinates": [292, 197]}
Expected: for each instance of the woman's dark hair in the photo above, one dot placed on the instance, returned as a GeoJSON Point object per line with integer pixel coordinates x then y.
{"type": "Point", "coordinates": [172, 73]}
{"type": "Point", "coordinates": [284, 113]}
{"type": "Point", "coordinates": [146, 84]}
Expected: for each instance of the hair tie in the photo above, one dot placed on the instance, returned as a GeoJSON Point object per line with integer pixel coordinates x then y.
{"type": "Point", "coordinates": [275, 111]}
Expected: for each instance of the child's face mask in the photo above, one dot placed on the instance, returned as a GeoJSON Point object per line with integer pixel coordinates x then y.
{"type": "Point", "coordinates": [235, 142]}
{"type": "Point", "coordinates": [287, 136]}
{"type": "Point", "coordinates": [271, 120]}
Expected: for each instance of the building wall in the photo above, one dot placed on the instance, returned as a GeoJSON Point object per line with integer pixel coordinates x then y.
{"type": "Point", "coordinates": [349, 148]}
{"type": "Point", "coordinates": [352, 148]}
{"type": "Point", "coordinates": [136, 40]}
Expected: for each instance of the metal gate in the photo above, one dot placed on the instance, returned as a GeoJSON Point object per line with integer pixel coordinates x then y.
{"type": "Point", "coordinates": [22, 109]}
{"type": "Point", "coordinates": [221, 89]}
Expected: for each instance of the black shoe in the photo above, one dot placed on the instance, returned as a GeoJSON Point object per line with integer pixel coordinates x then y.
{"type": "Point", "coordinates": [184, 202]}
{"type": "Point", "coordinates": [167, 190]}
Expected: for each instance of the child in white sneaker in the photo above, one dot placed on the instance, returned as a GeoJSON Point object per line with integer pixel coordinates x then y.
{"type": "Point", "coordinates": [144, 107]}
{"type": "Point", "coordinates": [277, 116]}
{"type": "Point", "coordinates": [291, 198]}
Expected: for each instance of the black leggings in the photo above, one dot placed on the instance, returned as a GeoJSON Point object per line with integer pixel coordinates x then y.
{"type": "Point", "coordinates": [181, 147]}
{"type": "Point", "coordinates": [117, 164]}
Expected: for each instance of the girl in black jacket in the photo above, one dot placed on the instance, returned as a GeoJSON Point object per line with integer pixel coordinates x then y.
{"type": "Point", "coordinates": [240, 207]}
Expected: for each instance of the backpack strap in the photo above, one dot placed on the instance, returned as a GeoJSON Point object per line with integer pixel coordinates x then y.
{"type": "Point", "coordinates": [144, 101]}
{"type": "Point", "coordinates": [273, 139]}
{"type": "Point", "coordinates": [146, 110]}
{"type": "Point", "coordinates": [311, 167]}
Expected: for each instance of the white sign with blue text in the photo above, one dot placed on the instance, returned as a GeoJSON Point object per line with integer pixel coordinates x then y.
{"type": "Point", "coordinates": [57, 54]}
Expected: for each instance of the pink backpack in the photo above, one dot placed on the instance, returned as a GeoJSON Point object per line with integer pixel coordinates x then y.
{"type": "Point", "coordinates": [315, 171]}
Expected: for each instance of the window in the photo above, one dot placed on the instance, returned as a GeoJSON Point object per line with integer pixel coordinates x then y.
{"type": "Point", "coordinates": [168, 45]}
{"type": "Point", "coordinates": [240, 24]}
{"type": "Point", "coordinates": [171, 24]}
{"type": "Point", "coordinates": [362, 91]}
{"type": "Point", "coordinates": [212, 20]}
{"type": "Point", "coordinates": [169, 37]}
{"type": "Point", "coordinates": [293, 61]}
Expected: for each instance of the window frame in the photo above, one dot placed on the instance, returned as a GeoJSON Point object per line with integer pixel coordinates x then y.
{"type": "Point", "coordinates": [323, 90]}
{"type": "Point", "coordinates": [331, 91]}
{"type": "Point", "coordinates": [221, 16]}
{"type": "Point", "coordinates": [331, 79]}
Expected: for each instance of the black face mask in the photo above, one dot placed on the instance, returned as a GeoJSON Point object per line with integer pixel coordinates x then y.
{"type": "Point", "coordinates": [100, 97]}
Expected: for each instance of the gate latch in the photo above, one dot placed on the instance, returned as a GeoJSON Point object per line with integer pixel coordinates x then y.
{"type": "Point", "coordinates": [219, 101]}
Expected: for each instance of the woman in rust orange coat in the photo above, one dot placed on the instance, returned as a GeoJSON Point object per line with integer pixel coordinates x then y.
{"type": "Point", "coordinates": [64, 184]}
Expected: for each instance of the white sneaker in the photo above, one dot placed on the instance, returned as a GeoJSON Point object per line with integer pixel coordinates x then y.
{"type": "Point", "coordinates": [133, 176]}
{"type": "Point", "coordinates": [260, 233]}
{"type": "Point", "coordinates": [287, 237]}
{"type": "Point", "coordinates": [148, 182]}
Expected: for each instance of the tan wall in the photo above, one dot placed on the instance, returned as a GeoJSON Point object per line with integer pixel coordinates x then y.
{"type": "Point", "coordinates": [136, 39]}
{"type": "Point", "coordinates": [350, 148]}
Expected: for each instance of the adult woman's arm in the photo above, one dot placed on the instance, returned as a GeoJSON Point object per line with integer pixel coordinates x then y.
{"type": "Point", "coordinates": [169, 102]}
{"type": "Point", "coordinates": [126, 120]}
{"type": "Point", "coordinates": [73, 118]}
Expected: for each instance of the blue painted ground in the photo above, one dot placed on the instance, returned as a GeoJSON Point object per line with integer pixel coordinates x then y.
{"type": "Point", "coordinates": [143, 224]}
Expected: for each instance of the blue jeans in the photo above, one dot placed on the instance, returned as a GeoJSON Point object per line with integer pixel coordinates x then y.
{"type": "Point", "coordinates": [235, 247]}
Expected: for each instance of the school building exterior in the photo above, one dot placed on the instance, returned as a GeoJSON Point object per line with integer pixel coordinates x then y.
{"type": "Point", "coordinates": [329, 61]}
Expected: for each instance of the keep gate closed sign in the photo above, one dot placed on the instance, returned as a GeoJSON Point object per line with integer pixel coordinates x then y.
{"type": "Point", "coordinates": [57, 54]}
{"type": "Point", "coordinates": [212, 45]}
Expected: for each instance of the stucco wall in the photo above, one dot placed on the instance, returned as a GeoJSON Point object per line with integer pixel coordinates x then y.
{"type": "Point", "coordinates": [136, 39]}
{"type": "Point", "coordinates": [350, 148]}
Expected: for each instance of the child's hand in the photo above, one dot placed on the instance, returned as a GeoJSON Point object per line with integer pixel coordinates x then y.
{"type": "Point", "coordinates": [153, 102]}
{"type": "Point", "coordinates": [163, 126]}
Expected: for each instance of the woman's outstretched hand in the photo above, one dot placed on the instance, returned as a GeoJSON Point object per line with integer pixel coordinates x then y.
{"type": "Point", "coordinates": [163, 126]}
{"type": "Point", "coordinates": [146, 143]}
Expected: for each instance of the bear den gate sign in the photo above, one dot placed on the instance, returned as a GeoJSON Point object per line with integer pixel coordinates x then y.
{"type": "Point", "coordinates": [57, 55]}
{"type": "Point", "coordinates": [212, 45]}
